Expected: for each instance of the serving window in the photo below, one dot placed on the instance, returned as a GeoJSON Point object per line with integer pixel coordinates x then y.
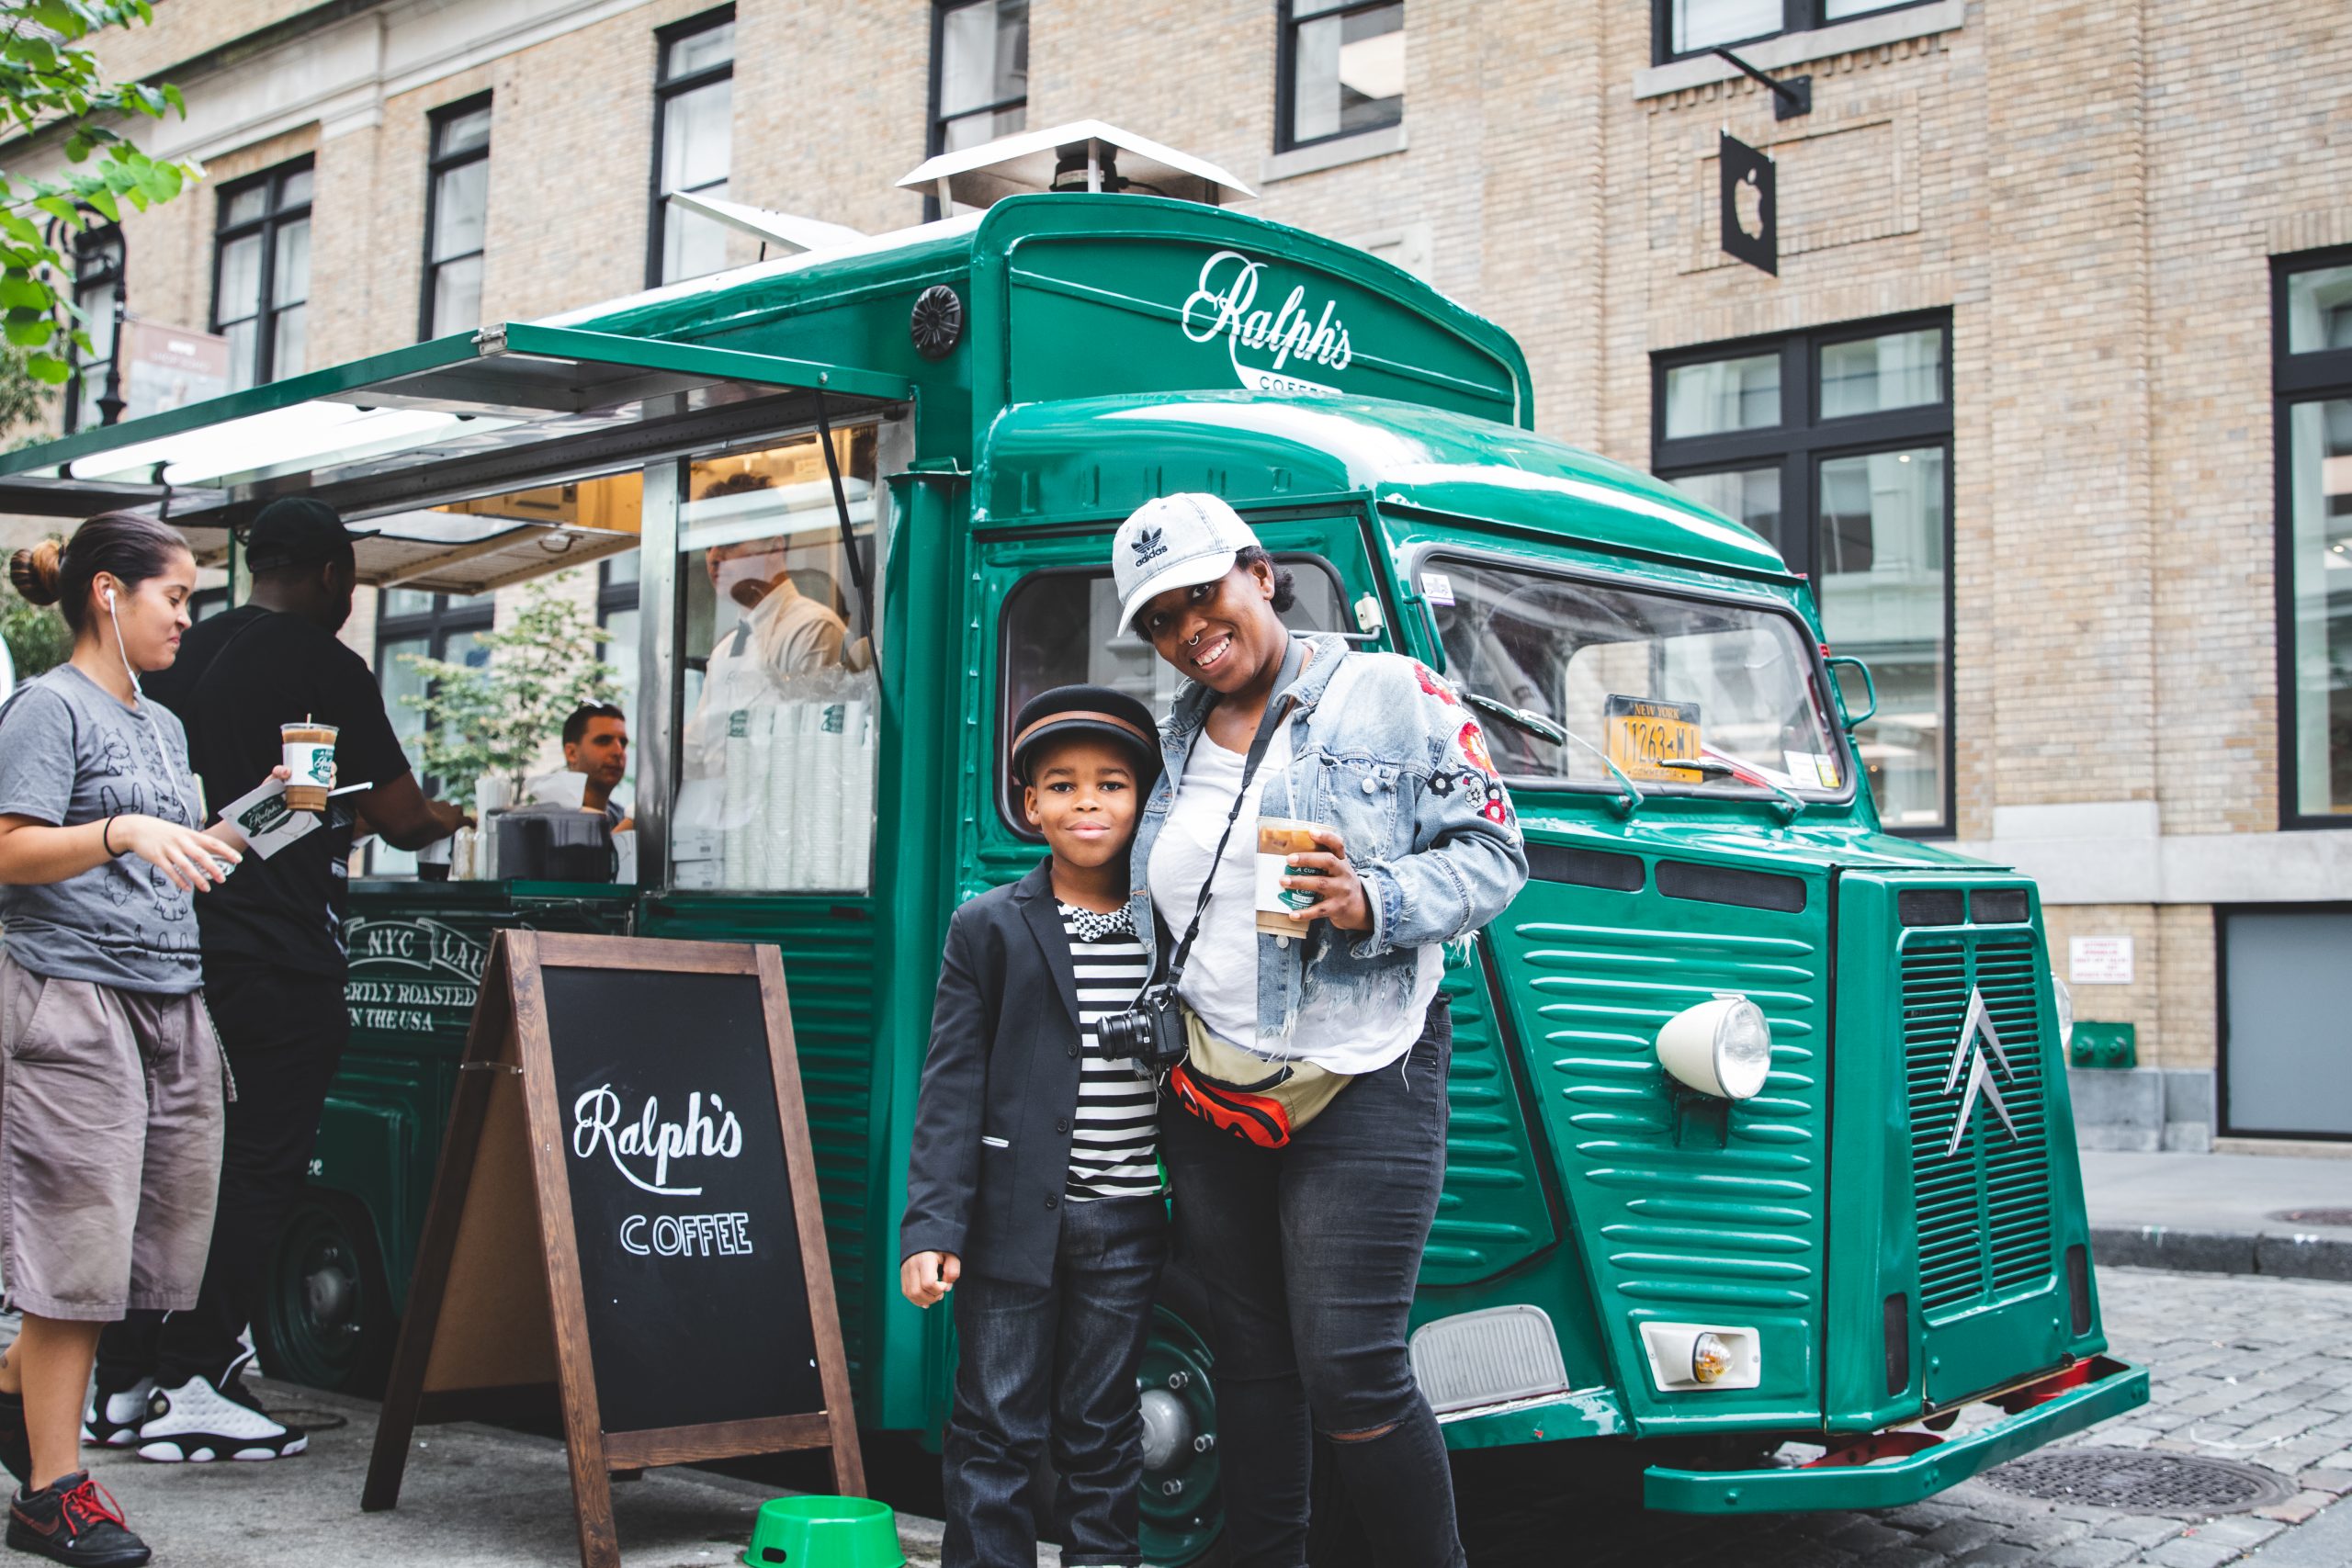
{"type": "Point", "coordinates": [776, 751]}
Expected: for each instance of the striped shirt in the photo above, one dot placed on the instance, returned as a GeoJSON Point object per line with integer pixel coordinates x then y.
{"type": "Point", "coordinates": [1114, 1145]}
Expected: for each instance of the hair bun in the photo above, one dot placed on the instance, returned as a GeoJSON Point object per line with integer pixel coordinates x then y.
{"type": "Point", "coordinates": [36, 572]}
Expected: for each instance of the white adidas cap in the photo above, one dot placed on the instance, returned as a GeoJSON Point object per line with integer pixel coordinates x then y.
{"type": "Point", "coordinates": [1175, 541]}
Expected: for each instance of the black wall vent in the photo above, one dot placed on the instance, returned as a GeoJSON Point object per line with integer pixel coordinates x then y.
{"type": "Point", "coordinates": [1930, 907]}
{"type": "Point", "coordinates": [1584, 868]}
{"type": "Point", "coordinates": [1726, 885]}
{"type": "Point", "coordinates": [1999, 906]}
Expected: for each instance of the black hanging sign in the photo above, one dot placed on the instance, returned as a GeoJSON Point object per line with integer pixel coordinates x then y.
{"type": "Point", "coordinates": [1749, 223]}
{"type": "Point", "coordinates": [629, 1117]}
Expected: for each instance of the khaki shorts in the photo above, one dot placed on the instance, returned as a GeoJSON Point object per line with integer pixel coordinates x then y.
{"type": "Point", "coordinates": [110, 1115]}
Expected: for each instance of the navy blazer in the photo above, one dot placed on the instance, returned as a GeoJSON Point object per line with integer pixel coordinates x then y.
{"type": "Point", "coordinates": [990, 1151]}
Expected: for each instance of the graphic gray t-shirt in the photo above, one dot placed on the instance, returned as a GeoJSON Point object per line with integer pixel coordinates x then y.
{"type": "Point", "coordinates": [71, 753]}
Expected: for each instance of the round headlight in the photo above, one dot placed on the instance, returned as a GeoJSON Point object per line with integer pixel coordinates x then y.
{"type": "Point", "coordinates": [1721, 1047]}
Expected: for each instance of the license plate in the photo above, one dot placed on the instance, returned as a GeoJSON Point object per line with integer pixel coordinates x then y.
{"type": "Point", "coordinates": [1645, 734]}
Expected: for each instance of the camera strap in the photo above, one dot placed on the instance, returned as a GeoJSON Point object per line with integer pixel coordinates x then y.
{"type": "Point", "coordinates": [1278, 706]}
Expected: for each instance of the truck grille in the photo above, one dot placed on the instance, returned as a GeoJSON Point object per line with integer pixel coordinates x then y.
{"type": "Point", "coordinates": [1983, 1208]}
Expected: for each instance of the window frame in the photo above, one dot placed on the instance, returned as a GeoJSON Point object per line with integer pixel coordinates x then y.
{"type": "Point", "coordinates": [1001, 739]}
{"type": "Point", "coordinates": [101, 260]}
{"type": "Point", "coordinates": [2319, 376]}
{"type": "Point", "coordinates": [1796, 16]}
{"type": "Point", "coordinates": [1286, 26]}
{"type": "Point", "coordinates": [437, 163]}
{"type": "Point", "coordinates": [1800, 443]}
{"type": "Point", "coordinates": [272, 219]}
{"type": "Point", "coordinates": [665, 88]}
{"type": "Point", "coordinates": [935, 119]}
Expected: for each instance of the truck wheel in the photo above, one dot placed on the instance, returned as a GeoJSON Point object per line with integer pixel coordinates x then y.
{"type": "Point", "coordinates": [1183, 1513]}
{"type": "Point", "coordinates": [326, 1317]}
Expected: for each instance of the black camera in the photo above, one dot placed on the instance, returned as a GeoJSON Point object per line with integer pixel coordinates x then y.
{"type": "Point", "coordinates": [1152, 1031]}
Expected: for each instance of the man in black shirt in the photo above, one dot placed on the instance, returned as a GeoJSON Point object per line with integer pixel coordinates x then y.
{"type": "Point", "coordinates": [274, 967]}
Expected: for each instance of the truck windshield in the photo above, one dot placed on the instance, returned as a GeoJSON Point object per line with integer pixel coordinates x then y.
{"type": "Point", "coordinates": [1684, 695]}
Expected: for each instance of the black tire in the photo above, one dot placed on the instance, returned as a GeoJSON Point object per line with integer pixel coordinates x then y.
{"type": "Point", "coordinates": [326, 1316]}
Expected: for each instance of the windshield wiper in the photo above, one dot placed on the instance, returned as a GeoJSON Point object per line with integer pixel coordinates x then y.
{"type": "Point", "coordinates": [1558, 734]}
{"type": "Point", "coordinates": [1790, 802]}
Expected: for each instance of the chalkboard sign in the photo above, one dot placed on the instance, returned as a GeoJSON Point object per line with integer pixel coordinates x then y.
{"type": "Point", "coordinates": [630, 1113]}
{"type": "Point", "coordinates": [681, 1197]}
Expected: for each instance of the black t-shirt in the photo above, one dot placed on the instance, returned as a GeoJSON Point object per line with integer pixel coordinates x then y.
{"type": "Point", "coordinates": [239, 676]}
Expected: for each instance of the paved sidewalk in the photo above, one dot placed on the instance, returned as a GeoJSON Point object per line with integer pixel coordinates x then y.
{"type": "Point", "coordinates": [2219, 1213]}
{"type": "Point", "coordinates": [474, 1496]}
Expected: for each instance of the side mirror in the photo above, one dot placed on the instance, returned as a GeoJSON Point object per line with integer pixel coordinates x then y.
{"type": "Point", "coordinates": [1870, 689]}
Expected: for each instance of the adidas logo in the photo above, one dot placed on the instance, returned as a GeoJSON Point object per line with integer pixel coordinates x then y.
{"type": "Point", "coordinates": [1147, 546]}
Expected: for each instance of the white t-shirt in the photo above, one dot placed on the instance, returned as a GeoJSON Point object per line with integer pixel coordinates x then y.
{"type": "Point", "coordinates": [1221, 977]}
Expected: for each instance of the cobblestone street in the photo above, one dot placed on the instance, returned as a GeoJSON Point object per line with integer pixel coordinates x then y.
{"type": "Point", "coordinates": [2250, 1369]}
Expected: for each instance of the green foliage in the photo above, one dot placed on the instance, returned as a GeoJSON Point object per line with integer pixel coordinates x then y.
{"type": "Point", "coordinates": [50, 84]}
{"type": "Point", "coordinates": [497, 718]}
{"type": "Point", "coordinates": [37, 635]}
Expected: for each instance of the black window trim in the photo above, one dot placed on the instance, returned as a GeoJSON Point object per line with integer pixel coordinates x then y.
{"type": "Point", "coordinates": [437, 164]}
{"type": "Point", "coordinates": [2222, 1126]}
{"type": "Point", "coordinates": [1796, 16]}
{"type": "Point", "coordinates": [435, 625]}
{"type": "Point", "coordinates": [1286, 26]}
{"type": "Point", "coordinates": [666, 87]}
{"type": "Point", "coordinates": [1800, 443]}
{"type": "Point", "coordinates": [272, 219]}
{"type": "Point", "coordinates": [1826, 688]}
{"type": "Point", "coordinates": [1000, 743]}
{"type": "Point", "coordinates": [2321, 375]}
{"type": "Point", "coordinates": [98, 259]}
{"type": "Point", "coordinates": [935, 118]}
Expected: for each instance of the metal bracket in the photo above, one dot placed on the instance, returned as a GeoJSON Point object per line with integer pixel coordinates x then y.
{"type": "Point", "coordinates": [1790, 98]}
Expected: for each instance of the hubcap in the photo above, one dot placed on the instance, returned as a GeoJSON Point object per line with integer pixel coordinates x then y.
{"type": "Point", "coordinates": [1181, 1512]}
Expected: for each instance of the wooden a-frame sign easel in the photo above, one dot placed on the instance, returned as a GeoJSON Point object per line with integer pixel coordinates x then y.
{"type": "Point", "coordinates": [502, 1196]}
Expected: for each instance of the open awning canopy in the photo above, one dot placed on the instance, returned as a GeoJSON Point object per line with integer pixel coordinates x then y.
{"type": "Point", "coordinates": [459, 417]}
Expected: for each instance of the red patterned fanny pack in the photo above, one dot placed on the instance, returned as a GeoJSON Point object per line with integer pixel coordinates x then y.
{"type": "Point", "coordinates": [1229, 1088]}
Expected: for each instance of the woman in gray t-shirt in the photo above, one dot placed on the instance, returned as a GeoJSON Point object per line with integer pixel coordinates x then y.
{"type": "Point", "coordinates": [110, 1079]}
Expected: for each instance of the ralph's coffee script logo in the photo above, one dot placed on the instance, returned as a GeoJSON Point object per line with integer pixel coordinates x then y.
{"type": "Point", "coordinates": [1224, 303]}
{"type": "Point", "coordinates": [596, 1124]}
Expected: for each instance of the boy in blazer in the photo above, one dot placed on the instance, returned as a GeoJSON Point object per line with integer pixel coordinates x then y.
{"type": "Point", "coordinates": [1034, 1190]}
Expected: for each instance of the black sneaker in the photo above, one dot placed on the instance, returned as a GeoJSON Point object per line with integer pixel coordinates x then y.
{"type": "Point", "coordinates": [73, 1520]}
{"type": "Point", "coordinates": [15, 1443]}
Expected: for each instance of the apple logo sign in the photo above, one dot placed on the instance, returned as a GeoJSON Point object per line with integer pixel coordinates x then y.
{"type": "Point", "coordinates": [1748, 204]}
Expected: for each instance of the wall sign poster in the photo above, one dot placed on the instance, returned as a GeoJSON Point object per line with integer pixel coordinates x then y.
{"type": "Point", "coordinates": [630, 1113]}
{"type": "Point", "coordinates": [2099, 961]}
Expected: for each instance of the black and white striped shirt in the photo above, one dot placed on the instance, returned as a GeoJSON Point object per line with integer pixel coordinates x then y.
{"type": "Point", "coordinates": [1114, 1145]}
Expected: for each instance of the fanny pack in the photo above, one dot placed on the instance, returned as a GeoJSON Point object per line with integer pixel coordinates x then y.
{"type": "Point", "coordinates": [1231, 1090]}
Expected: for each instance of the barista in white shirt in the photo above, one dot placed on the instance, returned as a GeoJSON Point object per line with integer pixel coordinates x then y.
{"type": "Point", "coordinates": [783, 633]}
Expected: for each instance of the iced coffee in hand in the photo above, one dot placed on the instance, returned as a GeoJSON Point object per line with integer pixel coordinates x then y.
{"type": "Point", "coordinates": [309, 764]}
{"type": "Point", "coordinates": [1279, 838]}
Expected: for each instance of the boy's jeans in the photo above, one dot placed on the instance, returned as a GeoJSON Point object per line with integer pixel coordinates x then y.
{"type": "Point", "coordinates": [1055, 1365]}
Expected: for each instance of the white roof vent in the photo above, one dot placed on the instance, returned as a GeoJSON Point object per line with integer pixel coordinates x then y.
{"type": "Point", "coordinates": [1085, 154]}
{"type": "Point", "coordinates": [788, 232]}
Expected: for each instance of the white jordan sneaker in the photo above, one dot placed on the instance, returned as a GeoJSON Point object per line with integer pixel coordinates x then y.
{"type": "Point", "coordinates": [198, 1422]}
{"type": "Point", "coordinates": [112, 1418]}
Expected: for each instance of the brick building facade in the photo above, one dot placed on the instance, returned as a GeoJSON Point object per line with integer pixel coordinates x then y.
{"type": "Point", "coordinates": [2070, 217]}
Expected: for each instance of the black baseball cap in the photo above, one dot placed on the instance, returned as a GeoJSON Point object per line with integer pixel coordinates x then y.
{"type": "Point", "coordinates": [1086, 710]}
{"type": "Point", "coordinates": [295, 530]}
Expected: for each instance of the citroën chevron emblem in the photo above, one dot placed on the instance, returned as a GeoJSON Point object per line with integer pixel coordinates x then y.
{"type": "Point", "coordinates": [1974, 1029]}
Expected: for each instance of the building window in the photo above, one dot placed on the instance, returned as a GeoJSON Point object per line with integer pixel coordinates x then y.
{"type": "Point", "coordinates": [2312, 338]}
{"type": "Point", "coordinates": [979, 72]}
{"type": "Point", "coordinates": [262, 277]}
{"type": "Point", "coordinates": [97, 277]}
{"type": "Point", "coordinates": [429, 625]}
{"type": "Point", "coordinates": [693, 118]}
{"type": "Point", "coordinates": [1694, 27]}
{"type": "Point", "coordinates": [456, 212]}
{"type": "Point", "coordinates": [1835, 445]}
{"type": "Point", "coordinates": [1341, 69]}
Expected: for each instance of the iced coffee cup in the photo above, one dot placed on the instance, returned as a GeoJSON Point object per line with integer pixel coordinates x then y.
{"type": "Point", "coordinates": [309, 763]}
{"type": "Point", "coordinates": [1279, 838]}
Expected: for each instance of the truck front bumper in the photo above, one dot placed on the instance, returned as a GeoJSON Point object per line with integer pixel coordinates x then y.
{"type": "Point", "coordinates": [1888, 1469]}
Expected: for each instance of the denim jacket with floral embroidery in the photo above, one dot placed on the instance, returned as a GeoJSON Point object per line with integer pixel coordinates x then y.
{"type": "Point", "coordinates": [1400, 767]}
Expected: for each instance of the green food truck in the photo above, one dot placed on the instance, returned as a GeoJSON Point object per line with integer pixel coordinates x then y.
{"type": "Point", "coordinates": [1759, 1132]}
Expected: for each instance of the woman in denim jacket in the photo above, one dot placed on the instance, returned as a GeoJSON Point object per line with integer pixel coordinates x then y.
{"type": "Point", "coordinates": [1309, 1252]}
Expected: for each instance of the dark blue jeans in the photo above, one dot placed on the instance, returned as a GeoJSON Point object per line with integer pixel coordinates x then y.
{"type": "Point", "coordinates": [1051, 1369]}
{"type": "Point", "coordinates": [1308, 1254]}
